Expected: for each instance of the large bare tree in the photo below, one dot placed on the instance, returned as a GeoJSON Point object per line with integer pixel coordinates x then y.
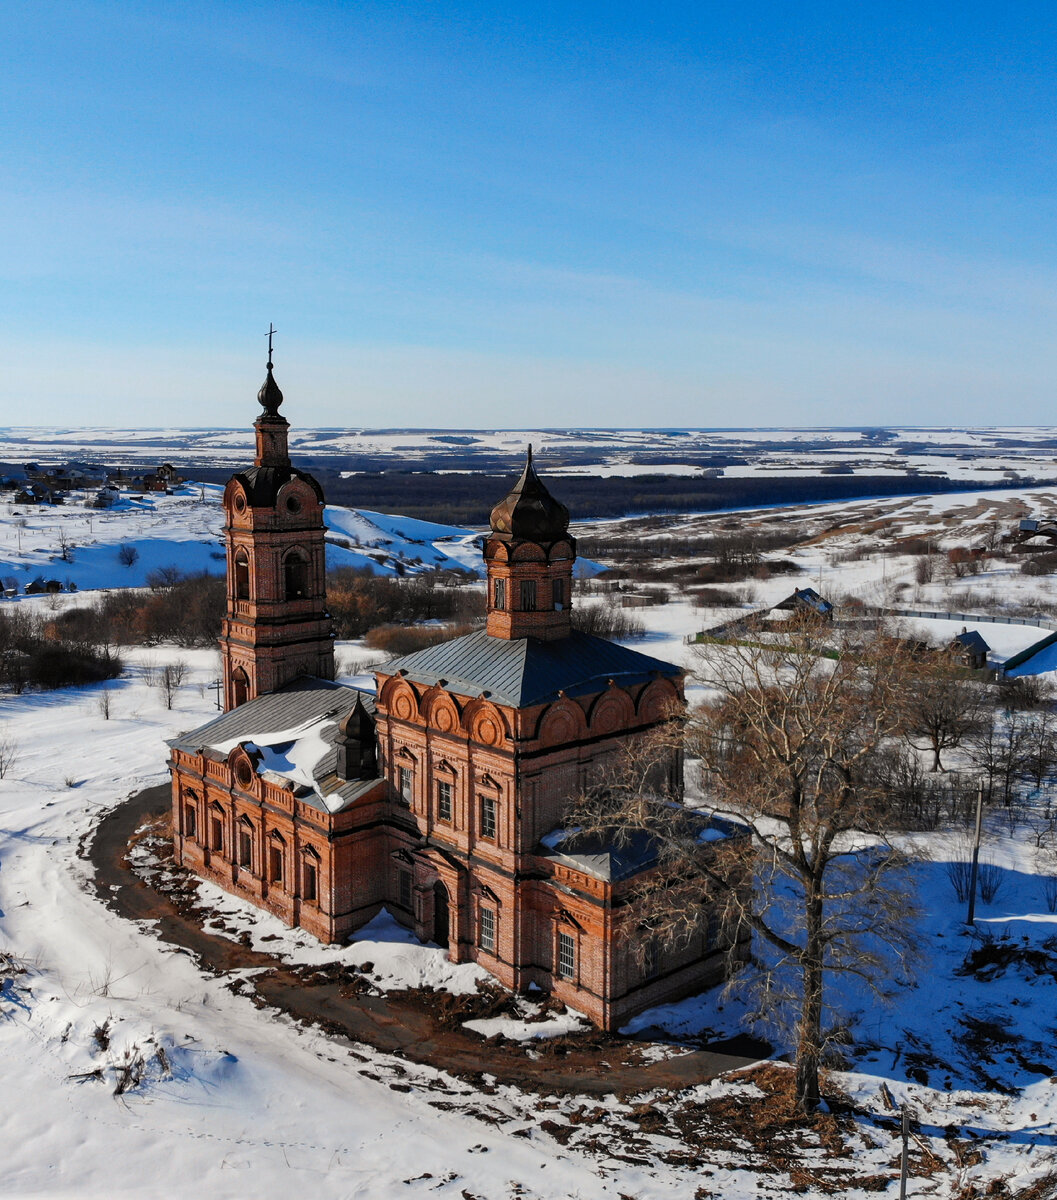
{"type": "Point", "coordinates": [797, 741]}
{"type": "Point", "coordinates": [944, 710]}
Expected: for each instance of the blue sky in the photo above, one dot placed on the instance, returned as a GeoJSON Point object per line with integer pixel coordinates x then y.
{"type": "Point", "coordinates": [504, 215]}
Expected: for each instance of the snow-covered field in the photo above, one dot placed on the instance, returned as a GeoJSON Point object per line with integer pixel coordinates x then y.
{"type": "Point", "coordinates": [122, 546]}
{"type": "Point", "coordinates": [965, 455]}
{"type": "Point", "coordinates": [232, 1100]}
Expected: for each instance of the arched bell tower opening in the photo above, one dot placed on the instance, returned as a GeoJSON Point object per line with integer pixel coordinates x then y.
{"type": "Point", "coordinates": [277, 626]}
{"type": "Point", "coordinates": [530, 555]}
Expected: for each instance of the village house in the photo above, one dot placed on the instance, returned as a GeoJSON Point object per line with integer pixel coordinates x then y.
{"type": "Point", "coordinates": [440, 796]}
{"type": "Point", "coordinates": [969, 649]}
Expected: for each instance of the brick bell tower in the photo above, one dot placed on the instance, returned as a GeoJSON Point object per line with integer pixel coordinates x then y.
{"type": "Point", "coordinates": [529, 555]}
{"type": "Point", "coordinates": [277, 625]}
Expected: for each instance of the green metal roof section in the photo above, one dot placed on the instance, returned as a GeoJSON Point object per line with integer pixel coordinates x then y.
{"type": "Point", "coordinates": [526, 671]}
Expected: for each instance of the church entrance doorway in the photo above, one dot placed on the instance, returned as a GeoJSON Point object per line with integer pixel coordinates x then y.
{"type": "Point", "coordinates": [440, 914]}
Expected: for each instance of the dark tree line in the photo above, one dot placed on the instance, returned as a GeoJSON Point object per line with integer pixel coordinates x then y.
{"type": "Point", "coordinates": [33, 653]}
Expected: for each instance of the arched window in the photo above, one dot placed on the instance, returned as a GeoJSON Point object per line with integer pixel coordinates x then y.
{"type": "Point", "coordinates": [246, 843]}
{"type": "Point", "coordinates": [295, 574]}
{"type": "Point", "coordinates": [240, 687]}
{"type": "Point", "coordinates": [276, 860]}
{"type": "Point", "coordinates": [191, 815]}
{"type": "Point", "coordinates": [242, 575]}
{"type": "Point", "coordinates": [310, 876]}
{"type": "Point", "coordinates": [216, 829]}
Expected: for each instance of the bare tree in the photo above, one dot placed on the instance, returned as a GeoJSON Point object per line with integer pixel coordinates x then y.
{"type": "Point", "coordinates": [942, 711]}
{"type": "Point", "coordinates": [9, 752]}
{"type": "Point", "coordinates": [170, 679]}
{"type": "Point", "coordinates": [1001, 751]}
{"type": "Point", "coordinates": [104, 703]}
{"type": "Point", "coordinates": [65, 545]}
{"type": "Point", "coordinates": [127, 554]}
{"type": "Point", "coordinates": [799, 746]}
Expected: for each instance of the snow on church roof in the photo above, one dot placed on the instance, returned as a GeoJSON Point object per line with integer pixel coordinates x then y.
{"type": "Point", "coordinates": [291, 732]}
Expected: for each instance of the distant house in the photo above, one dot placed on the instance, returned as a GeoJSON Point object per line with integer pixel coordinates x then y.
{"type": "Point", "coordinates": [641, 599]}
{"type": "Point", "coordinates": [806, 600]}
{"type": "Point", "coordinates": [41, 586]}
{"type": "Point", "coordinates": [33, 493]}
{"type": "Point", "coordinates": [970, 649]}
{"type": "Point", "coordinates": [1031, 529]}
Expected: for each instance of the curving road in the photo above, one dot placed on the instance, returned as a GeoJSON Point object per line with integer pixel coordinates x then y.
{"type": "Point", "coordinates": [392, 1023]}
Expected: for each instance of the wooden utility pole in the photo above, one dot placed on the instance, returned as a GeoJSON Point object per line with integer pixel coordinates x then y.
{"type": "Point", "coordinates": [976, 854]}
{"type": "Point", "coordinates": [903, 1161]}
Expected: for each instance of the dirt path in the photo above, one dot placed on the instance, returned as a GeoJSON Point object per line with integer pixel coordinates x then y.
{"type": "Point", "coordinates": [392, 1023]}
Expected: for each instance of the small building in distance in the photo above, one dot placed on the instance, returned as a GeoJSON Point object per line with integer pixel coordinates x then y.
{"type": "Point", "coordinates": [970, 649]}
{"type": "Point", "coordinates": [806, 600]}
{"type": "Point", "coordinates": [441, 796]}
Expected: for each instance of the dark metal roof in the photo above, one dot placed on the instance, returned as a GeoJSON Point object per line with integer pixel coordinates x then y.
{"type": "Point", "coordinates": [806, 598]}
{"type": "Point", "coordinates": [627, 855]}
{"type": "Point", "coordinates": [972, 640]}
{"type": "Point", "coordinates": [526, 671]}
{"type": "Point", "coordinates": [262, 484]}
{"type": "Point", "coordinates": [303, 704]}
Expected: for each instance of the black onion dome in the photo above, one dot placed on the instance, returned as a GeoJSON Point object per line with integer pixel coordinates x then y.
{"type": "Point", "coordinates": [357, 725]}
{"type": "Point", "coordinates": [530, 511]}
{"type": "Point", "coordinates": [269, 395]}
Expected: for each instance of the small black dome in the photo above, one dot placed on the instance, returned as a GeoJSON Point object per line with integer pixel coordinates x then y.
{"type": "Point", "coordinates": [269, 395]}
{"type": "Point", "coordinates": [530, 511]}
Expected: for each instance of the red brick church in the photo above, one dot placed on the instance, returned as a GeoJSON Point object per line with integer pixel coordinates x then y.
{"type": "Point", "coordinates": [440, 796]}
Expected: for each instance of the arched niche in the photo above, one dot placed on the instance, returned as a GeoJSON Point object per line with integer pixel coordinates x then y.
{"type": "Point", "coordinates": [528, 552]}
{"type": "Point", "coordinates": [562, 723]}
{"type": "Point", "coordinates": [399, 698]}
{"type": "Point", "coordinates": [561, 552]}
{"type": "Point", "coordinates": [241, 572]}
{"type": "Point", "coordinates": [485, 723]}
{"type": "Point", "coordinates": [612, 711]}
{"type": "Point", "coordinates": [240, 687]}
{"type": "Point", "coordinates": [295, 498]}
{"type": "Point", "coordinates": [243, 767]}
{"type": "Point", "coordinates": [659, 701]}
{"type": "Point", "coordinates": [236, 501]}
{"type": "Point", "coordinates": [297, 571]}
{"type": "Point", "coordinates": [440, 711]}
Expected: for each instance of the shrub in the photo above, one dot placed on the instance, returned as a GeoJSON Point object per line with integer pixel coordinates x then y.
{"type": "Point", "coordinates": [397, 640]}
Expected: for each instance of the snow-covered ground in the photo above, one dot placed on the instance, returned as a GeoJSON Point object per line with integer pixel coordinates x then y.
{"type": "Point", "coordinates": [124, 545]}
{"type": "Point", "coordinates": [232, 1100]}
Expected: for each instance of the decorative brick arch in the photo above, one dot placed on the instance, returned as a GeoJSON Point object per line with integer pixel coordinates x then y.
{"type": "Point", "coordinates": [528, 552]}
{"type": "Point", "coordinates": [399, 698]}
{"type": "Point", "coordinates": [236, 503]}
{"type": "Point", "coordinates": [560, 552]}
{"type": "Point", "coordinates": [485, 723]}
{"type": "Point", "coordinates": [561, 723]}
{"type": "Point", "coordinates": [659, 701]}
{"type": "Point", "coordinates": [243, 767]}
{"type": "Point", "coordinates": [294, 498]}
{"type": "Point", "coordinates": [612, 711]}
{"type": "Point", "coordinates": [440, 710]}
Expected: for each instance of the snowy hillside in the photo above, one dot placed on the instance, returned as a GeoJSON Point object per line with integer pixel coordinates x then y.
{"type": "Point", "coordinates": [121, 546]}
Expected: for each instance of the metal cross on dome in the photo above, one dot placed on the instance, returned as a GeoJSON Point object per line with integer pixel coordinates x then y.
{"type": "Point", "coordinates": [271, 330]}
